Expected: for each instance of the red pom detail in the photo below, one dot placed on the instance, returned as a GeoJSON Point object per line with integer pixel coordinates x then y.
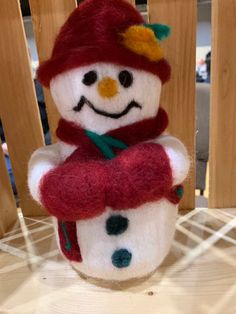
{"type": "Point", "coordinates": [92, 34]}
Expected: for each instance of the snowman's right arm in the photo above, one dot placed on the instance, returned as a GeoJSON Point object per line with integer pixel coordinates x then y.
{"type": "Point", "coordinates": [43, 160]}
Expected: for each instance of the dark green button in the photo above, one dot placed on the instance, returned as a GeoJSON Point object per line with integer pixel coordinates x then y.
{"type": "Point", "coordinates": [116, 225]}
{"type": "Point", "coordinates": [121, 258]}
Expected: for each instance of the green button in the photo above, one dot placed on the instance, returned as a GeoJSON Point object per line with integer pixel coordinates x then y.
{"type": "Point", "coordinates": [121, 258]}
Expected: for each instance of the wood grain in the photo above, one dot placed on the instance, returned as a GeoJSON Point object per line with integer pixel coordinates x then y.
{"type": "Point", "coordinates": [47, 17]}
{"type": "Point", "coordinates": [178, 95]}
{"type": "Point", "coordinates": [18, 105]}
{"type": "Point", "coordinates": [222, 191]}
{"type": "Point", "coordinates": [8, 210]}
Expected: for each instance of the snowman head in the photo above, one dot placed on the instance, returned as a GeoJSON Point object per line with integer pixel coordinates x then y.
{"type": "Point", "coordinates": [107, 66]}
{"type": "Point", "coordinates": [102, 96]}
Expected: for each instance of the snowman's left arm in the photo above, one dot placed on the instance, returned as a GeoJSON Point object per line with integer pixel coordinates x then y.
{"type": "Point", "coordinates": [178, 157]}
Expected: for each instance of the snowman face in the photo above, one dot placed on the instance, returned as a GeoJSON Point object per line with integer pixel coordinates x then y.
{"type": "Point", "coordinates": [102, 97]}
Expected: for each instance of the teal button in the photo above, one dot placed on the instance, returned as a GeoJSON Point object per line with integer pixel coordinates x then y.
{"type": "Point", "coordinates": [121, 258]}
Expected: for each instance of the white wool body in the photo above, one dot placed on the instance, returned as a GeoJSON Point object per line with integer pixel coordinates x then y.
{"type": "Point", "coordinates": [151, 226]}
{"type": "Point", "coordinates": [178, 157]}
{"type": "Point", "coordinates": [148, 238]}
{"type": "Point", "coordinates": [42, 161]}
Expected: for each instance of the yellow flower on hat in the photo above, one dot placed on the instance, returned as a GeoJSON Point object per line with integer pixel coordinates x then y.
{"type": "Point", "coordinates": [142, 40]}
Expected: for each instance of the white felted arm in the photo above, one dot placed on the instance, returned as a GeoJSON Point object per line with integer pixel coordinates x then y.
{"type": "Point", "coordinates": [178, 156]}
{"type": "Point", "coordinates": [43, 160]}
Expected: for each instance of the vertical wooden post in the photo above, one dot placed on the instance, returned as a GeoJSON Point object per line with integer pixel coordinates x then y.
{"type": "Point", "coordinates": [178, 95]}
{"type": "Point", "coordinates": [222, 187]}
{"type": "Point", "coordinates": [18, 105]}
{"type": "Point", "coordinates": [47, 17]}
{"type": "Point", "coordinates": [8, 210]}
{"type": "Point", "coordinates": [131, 2]}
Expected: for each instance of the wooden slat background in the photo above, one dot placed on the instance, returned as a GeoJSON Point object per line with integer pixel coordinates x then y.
{"type": "Point", "coordinates": [8, 210]}
{"type": "Point", "coordinates": [47, 17]}
{"type": "Point", "coordinates": [222, 187]}
{"type": "Point", "coordinates": [18, 105]}
{"type": "Point", "coordinates": [178, 95]}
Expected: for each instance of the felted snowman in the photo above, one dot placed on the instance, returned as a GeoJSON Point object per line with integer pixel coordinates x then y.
{"type": "Point", "coordinates": [113, 180]}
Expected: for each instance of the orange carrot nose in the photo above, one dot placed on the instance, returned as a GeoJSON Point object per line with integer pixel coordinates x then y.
{"type": "Point", "coordinates": [107, 87]}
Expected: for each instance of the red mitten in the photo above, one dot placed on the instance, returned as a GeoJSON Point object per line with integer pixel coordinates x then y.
{"type": "Point", "coordinates": [80, 190]}
{"type": "Point", "coordinates": [138, 175]}
{"type": "Point", "coordinates": [75, 190]}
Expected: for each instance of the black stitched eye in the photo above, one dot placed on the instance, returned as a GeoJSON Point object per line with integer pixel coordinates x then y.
{"type": "Point", "coordinates": [126, 78]}
{"type": "Point", "coordinates": [90, 78]}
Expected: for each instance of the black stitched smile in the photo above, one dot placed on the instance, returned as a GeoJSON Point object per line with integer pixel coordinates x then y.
{"type": "Point", "coordinates": [84, 100]}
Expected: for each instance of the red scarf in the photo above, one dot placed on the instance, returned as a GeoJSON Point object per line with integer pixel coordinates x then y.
{"type": "Point", "coordinates": [132, 134]}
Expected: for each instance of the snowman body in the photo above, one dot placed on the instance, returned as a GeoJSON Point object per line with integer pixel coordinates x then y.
{"type": "Point", "coordinates": [133, 253]}
{"type": "Point", "coordinates": [125, 244]}
{"type": "Point", "coordinates": [112, 181]}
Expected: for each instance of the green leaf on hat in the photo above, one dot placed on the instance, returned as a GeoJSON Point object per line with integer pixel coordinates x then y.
{"type": "Point", "coordinates": [161, 31]}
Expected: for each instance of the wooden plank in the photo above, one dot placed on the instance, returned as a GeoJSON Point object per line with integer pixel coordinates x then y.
{"type": "Point", "coordinates": [178, 95]}
{"type": "Point", "coordinates": [47, 17]}
{"type": "Point", "coordinates": [8, 210]}
{"type": "Point", "coordinates": [18, 104]}
{"type": "Point", "coordinates": [131, 2]}
{"type": "Point", "coordinates": [223, 108]}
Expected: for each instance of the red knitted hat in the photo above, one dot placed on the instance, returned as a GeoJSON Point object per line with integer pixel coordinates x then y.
{"type": "Point", "coordinates": [93, 33]}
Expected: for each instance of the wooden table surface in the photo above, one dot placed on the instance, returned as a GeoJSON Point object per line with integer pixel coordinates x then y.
{"type": "Point", "coordinates": [198, 276]}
